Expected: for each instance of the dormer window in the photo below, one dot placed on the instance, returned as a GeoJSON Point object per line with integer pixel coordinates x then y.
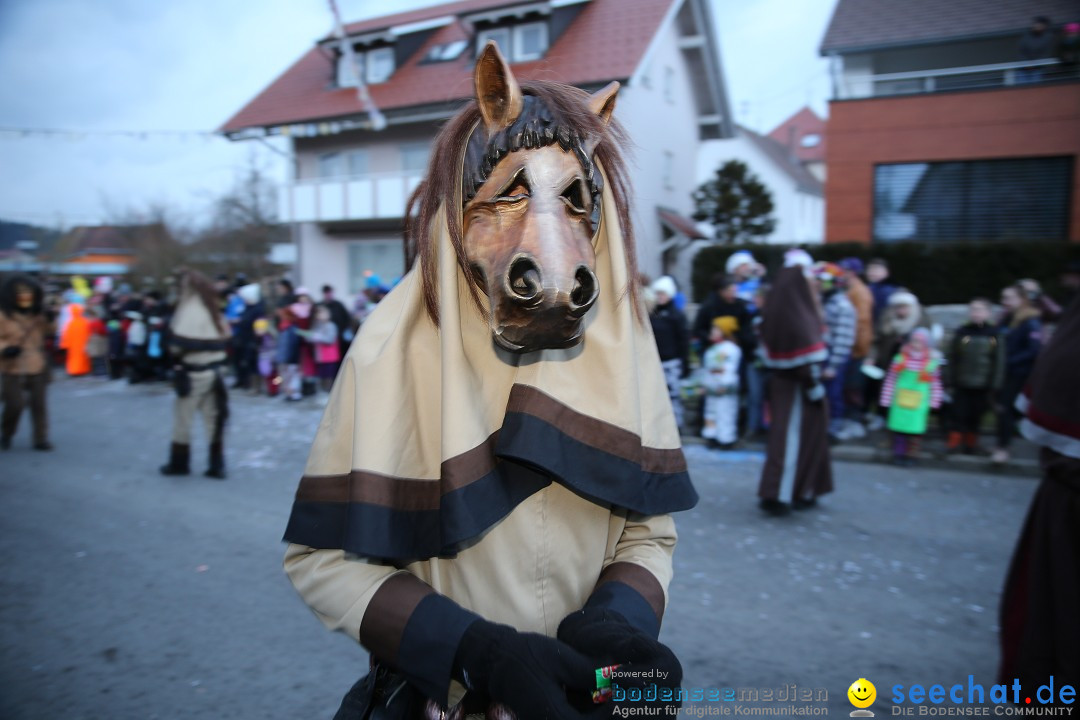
{"type": "Point", "coordinates": [810, 140]}
{"type": "Point", "coordinates": [374, 66]}
{"type": "Point", "coordinates": [519, 43]}
{"type": "Point", "coordinates": [446, 51]}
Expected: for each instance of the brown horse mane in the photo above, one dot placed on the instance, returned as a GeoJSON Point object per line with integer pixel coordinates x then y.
{"type": "Point", "coordinates": [463, 156]}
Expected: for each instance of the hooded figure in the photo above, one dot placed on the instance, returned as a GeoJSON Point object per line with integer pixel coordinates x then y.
{"type": "Point", "coordinates": [485, 520]}
{"type": "Point", "coordinates": [1039, 620]}
{"type": "Point", "coordinates": [198, 336]}
{"type": "Point", "coordinates": [797, 465]}
{"type": "Point", "coordinates": [24, 368]}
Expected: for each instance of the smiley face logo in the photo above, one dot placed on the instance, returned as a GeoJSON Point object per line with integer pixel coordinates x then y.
{"type": "Point", "coordinates": [862, 693]}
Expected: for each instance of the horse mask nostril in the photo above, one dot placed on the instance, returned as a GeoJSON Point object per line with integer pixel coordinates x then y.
{"type": "Point", "coordinates": [524, 279]}
{"type": "Point", "coordinates": [585, 289]}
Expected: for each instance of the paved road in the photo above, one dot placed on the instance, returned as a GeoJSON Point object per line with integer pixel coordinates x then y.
{"type": "Point", "coordinates": [129, 595]}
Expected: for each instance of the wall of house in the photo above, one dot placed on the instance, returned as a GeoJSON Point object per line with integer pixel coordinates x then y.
{"type": "Point", "coordinates": [330, 259]}
{"type": "Point", "coordinates": [662, 124]}
{"type": "Point", "coordinates": [799, 215]}
{"type": "Point", "coordinates": [383, 149]}
{"type": "Point", "coordinates": [1022, 122]}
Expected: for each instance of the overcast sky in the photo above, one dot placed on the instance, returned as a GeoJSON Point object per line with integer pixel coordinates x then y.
{"type": "Point", "coordinates": [188, 65]}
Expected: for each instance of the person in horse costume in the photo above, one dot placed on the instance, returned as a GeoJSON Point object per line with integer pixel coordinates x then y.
{"type": "Point", "coordinates": [486, 503]}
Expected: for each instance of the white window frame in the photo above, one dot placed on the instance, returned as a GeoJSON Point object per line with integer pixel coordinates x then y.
{"type": "Point", "coordinates": [371, 63]}
{"type": "Point", "coordinates": [415, 148]}
{"type": "Point", "coordinates": [359, 153]}
{"type": "Point", "coordinates": [519, 32]}
{"type": "Point", "coordinates": [345, 78]}
{"type": "Point", "coordinates": [325, 159]}
{"type": "Point", "coordinates": [490, 34]}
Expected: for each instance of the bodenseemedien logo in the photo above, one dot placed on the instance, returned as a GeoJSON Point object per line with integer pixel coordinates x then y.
{"type": "Point", "coordinates": [862, 694]}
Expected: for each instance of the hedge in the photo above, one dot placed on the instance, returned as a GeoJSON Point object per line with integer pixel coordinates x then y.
{"type": "Point", "coordinates": [937, 273]}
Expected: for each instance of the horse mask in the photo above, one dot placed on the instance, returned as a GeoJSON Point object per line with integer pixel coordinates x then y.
{"type": "Point", "coordinates": [434, 431]}
{"type": "Point", "coordinates": [529, 216]}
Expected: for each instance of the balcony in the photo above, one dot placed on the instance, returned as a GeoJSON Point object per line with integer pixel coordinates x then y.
{"type": "Point", "coordinates": [374, 196]}
{"type": "Point", "coordinates": [852, 85]}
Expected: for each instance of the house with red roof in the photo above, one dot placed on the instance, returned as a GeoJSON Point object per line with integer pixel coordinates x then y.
{"type": "Point", "coordinates": [952, 121]}
{"type": "Point", "coordinates": [351, 181]}
{"type": "Point", "coordinates": [803, 135]}
{"type": "Point", "coordinates": [798, 195]}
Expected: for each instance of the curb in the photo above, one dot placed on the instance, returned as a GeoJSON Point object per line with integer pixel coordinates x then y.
{"type": "Point", "coordinates": [1016, 467]}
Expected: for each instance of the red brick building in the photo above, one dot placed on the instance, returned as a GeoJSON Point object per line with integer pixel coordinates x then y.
{"type": "Point", "coordinates": [941, 130]}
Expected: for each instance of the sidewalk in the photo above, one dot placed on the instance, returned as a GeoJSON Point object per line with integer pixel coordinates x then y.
{"type": "Point", "coordinates": [876, 447]}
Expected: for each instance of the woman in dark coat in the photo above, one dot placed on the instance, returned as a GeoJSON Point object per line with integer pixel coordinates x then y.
{"type": "Point", "coordinates": [797, 465]}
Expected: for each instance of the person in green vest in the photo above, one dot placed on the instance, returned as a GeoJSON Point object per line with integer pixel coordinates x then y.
{"type": "Point", "coordinates": [912, 388]}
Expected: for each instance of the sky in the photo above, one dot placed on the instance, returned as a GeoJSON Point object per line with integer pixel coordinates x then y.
{"type": "Point", "coordinates": [121, 76]}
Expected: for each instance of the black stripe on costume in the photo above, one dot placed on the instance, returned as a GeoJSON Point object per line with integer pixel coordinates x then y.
{"type": "Point", "coordinates": [400, 536]}
{"type": "Point", "coordinates": [602, 476]}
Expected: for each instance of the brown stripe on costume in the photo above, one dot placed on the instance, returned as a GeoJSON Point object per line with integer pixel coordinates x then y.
{"type": "Point", "coordinates": [388, 612]}
{"type": "Point", "coordinates": [640, 579]}
{"type": "Point", "coordinates": [360, 486]}
{"type": "Point", "coordinates": [594, 433]}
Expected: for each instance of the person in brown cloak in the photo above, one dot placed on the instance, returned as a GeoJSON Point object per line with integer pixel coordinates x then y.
{"type": "Point", "coordinates": [198, 334]}
{"type": "Point", "coordinates": [1040, 606]}
{"type": "Point", "coordinates": [797, 466]}
{"type": "Point", "coordinates": [24, 366]}
{"type": "Point", "coordinates": [500, 525]}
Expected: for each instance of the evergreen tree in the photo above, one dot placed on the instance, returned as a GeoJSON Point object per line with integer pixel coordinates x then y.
{"type": "Point", "coordinates": [737, 204]}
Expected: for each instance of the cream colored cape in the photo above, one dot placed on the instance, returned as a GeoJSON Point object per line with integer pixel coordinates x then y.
{"type": "Point", "coordinates": [432, 435]}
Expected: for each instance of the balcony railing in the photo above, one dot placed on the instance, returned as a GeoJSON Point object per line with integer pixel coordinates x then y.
{"type": "Point", "coordinates": [971, 77]}
{"type": "Point", "coordinates": [366, 197]}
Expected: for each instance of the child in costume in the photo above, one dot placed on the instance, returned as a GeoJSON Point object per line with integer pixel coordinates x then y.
{"type": "Point", "coordinates": [912, 387]}
{"type": "Point", "coordinates": [267, 344]}
{"type": "Point", "coordinates": [721, 363]}
{"type": "Point", "coordinates": [323, 335]}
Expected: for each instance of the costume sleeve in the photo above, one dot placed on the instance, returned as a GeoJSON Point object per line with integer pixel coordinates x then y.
{"type": "Point", "coordinates": [634, 582]}
{"type": "Point", "coordinates": [889, 385]}
{"type": "Point", "coordinates": [399, 618]}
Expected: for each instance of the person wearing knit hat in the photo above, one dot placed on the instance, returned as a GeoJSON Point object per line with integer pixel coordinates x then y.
{"type": "Point", "coordinates": [796, 257]}
{"type": "Point", "coordinates": [672, 340]}
{"type": "Point", "coordinates": [747, 273]}
{"type": "Point", "coordinates": [721, 365]}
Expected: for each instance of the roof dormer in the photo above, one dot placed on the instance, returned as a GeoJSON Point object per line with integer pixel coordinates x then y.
{"type": "Point", "coordinates": [373, 65]}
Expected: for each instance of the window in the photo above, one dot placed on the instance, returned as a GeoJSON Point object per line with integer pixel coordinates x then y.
{"type": "Point", "coordinates": [1015, 199]}
{"type": "Point", "coordinates": [358, 163]}
{"type": "Point", "coordinates": [384, 258]}
{"type": "Point", "coordinates": [810, 140]}
{"type": "Point", "coordinates": [528, 41]}
{"type": "Point", "coordinates": [375, 66]}
{"type": "Point", "coordinates": [379, 64]}
{"type": "Point", "coordinates": [331, 165]}
{"type": "Point", "coordinates": [501, 36]}
{"type": "Point", "coordinates": [446, 51]}
{"type": "Point", "coordinates": [414, 158]}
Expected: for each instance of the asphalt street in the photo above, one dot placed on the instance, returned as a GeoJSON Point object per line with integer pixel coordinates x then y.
{"type": "Point", "coordinates": [126, 594]}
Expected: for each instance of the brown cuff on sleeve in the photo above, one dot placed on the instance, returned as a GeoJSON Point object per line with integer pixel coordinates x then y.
{"type": "Point", "coordinates": [640, 580]}
{"type": "Point", "coordinates": [388, 612]}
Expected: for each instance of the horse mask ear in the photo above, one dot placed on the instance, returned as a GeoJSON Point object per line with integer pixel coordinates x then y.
{"type": "Point", "coordinates": [602, 104]}
{"type": "Point", "coordinates": [497, 92]}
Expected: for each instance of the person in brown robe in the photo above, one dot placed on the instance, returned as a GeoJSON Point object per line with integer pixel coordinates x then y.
{"type": "Point", "coordinates": [797, 466]}
{"type": "Point", "coordinates": [24, 369]}
{"type": "Point", "coordinates": [1040, 605]}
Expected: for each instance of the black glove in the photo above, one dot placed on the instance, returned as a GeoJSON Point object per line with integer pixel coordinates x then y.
{"type": "Point", "coordinates": [527, 672]}
{"type": "Point", "coordinates": [607, 638]}
{"type": "Point", "coordinates": [11, 351]}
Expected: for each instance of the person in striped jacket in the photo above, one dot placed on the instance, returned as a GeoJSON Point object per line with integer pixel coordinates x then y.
{"type": "Point", "coordinates": [911, 389]}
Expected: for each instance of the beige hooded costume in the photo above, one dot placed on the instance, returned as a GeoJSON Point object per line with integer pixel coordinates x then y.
{"type": "Point", "coordinates": [513, 485]}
